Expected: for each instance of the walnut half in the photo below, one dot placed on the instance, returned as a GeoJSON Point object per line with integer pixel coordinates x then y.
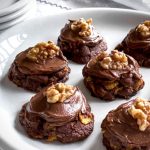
{"type": "Point", "coordinates": [85, 118]}
{"type": "Point", "coordinates": [82, 26]}
{"type": "Point", "coordinates": [59, 92]}
{"type": "Point", "coordinates": [116, 60]}
{"type": "Point", "coordinates": [144, 28]}
{"type": "Point", "coordinates": [43, 51]}
{"type": "Point", "coordinates": [140, 110]}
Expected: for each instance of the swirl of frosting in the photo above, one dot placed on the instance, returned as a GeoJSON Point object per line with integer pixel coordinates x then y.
{"type": "Point", "coordinates": [50, 65]}
{"type": "Point", "coordinates": [121, 125]}
{"type": "Point", "coordinates": [71, 32]}
{"type": "Point", "coordinates": [94, 69]}
{"type": "Point", "coordinates": [138, 38]}
{"type": "Point", "coordinates": [59, 113]}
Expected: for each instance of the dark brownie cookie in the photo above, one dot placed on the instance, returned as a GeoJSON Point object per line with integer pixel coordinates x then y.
{"type": "Point", "coordinates": [113, 75]}
{"type": "Point", "coordinates": [128, 126]}
{"type": "Point", "coordinates": [39, 66]}
{"type": "Point", "coordinates": [79, 41]}
{"type": "Point", "coordinates": [137, 44]}
{"type": "Point", "coordinates": [59, 112]}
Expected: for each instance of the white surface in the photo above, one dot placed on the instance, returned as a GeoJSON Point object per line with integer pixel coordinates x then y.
{"type": "Point", "coordinates": [18, 4]}
{"type": "Point", "coordinates": [31, 8]}
{"type": "Point", "coordinates": [18, 13]}
{"type": "Point", "coordinates": [7, 3]}
{"type": "Point", "coordinates": [112, 24]}
{"type": "Point", "coordinates": [143, 5]}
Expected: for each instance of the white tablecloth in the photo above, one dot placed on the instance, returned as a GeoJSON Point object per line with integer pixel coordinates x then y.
{"type": "Point", "coordinates": [49, 6]}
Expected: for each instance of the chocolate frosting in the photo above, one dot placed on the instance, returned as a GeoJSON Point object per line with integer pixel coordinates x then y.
{"type": "Point", "coordinates": [134, 40]}
{"type": "Point", "coordinates": [57, 114]}
{"type": "Point", "coordinates": [93, 69]}
{"type": "Point", "coordinates": [51, 65]}
{"type": "Point", "coordinates": [123, 127]}
{"type": "Point", "coordinates": [68, 35]}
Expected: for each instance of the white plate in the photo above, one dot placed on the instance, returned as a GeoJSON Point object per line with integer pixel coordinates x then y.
{"type": "Point", "coordinates": [7, 3]}
{"type": "Point", "coordinates": [113, 24]}
{"type": "Point", "coordinates": [28, 14]}
{"type": "Point", "coordinates": [18, 13]}
{"type": "Point", "coordinates": [12, 6]}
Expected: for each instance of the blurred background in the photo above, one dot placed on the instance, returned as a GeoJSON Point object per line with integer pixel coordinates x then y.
{"type": "Point", "coordinates": [143, 5]}
{"type": "Point", "coordinates": [15, 11]}
{"type": "Point", "coordinates": [71, 4]}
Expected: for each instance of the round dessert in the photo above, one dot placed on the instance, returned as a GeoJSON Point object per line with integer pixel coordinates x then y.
{"type": "Point", "coordinates": [39, 66]}
{"type": "Point", "coordinates": [79, 41]}
{"type": "Point", "coordinates": [112, 75]}
{"type": "Point", "coordinates": [128, 126]}
{"type": "Point", "coordinates": [137, 44]}
{"type": "Point", "coordinates": [59, 112]}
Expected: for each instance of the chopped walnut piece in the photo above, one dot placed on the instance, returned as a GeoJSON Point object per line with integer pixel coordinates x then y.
{"type": "Point", "coordinates": [52, 138]}
{"type": "Point", "coordinates": [140, 110]}
{"type": "Point", "coordinates": [88, 79]}
{"type": "Point", "coordinates": [102, 55]}
{"type": "Point", "coordinates": [110, 86]}
{"type": "Point", "coordinates": [43, 51]}
{"type": "Point", "coordinates": [144, 28]}
{"type": "Point", "coordinates": [85, 118]}
{"type": "Point", "coordinates": [116, 60]}
{"type": "Point", "coordinates": [82, 26]}
{"type": "Point", "coordinates": [59, 92]}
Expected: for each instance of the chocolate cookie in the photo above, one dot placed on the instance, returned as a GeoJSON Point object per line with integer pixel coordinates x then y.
{"type": "Point", "coordinates": [128, 126]}
{"type": "Point", "coordinates": [39, 66]}
{"type": "Point", "coordinates": [137, 44]}
{"type": "Point", "coordinates": [79, 41]}
{"type": "Point", "coordinates": [59, 112]}
{"type": "Point", "coordinates": [108, 76]}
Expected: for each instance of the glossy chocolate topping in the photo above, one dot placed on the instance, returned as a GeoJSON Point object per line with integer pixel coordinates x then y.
{"type": "Point", "coordinates": [134, 40]}
{"type": "Point", "coordinates": [51, 65]}
{"type": "Point", "coordinates": [93, 69]}
{"type": "Point", "coordinates": [123, 127]}
{"type": "Point", "coordinates": [68, 35]}
{"type": "Point", "coordinates": [57, 114]}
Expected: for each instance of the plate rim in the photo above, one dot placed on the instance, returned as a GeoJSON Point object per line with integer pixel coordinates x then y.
{"type": "Point", "coordinates": [30, 11]}
{"type": "Point", "coordinates": [14, 7]}
{"type": "Point", "coordinates": [17, 14]}
{"type": "Point", "coordinates": [77, 10]}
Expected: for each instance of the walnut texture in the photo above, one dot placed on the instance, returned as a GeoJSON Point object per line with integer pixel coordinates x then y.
{"type": "Point", "coordinates": [144, 28]}
{"type": "Point", "coordinates": [85, 118]}
{"type": "Point", "coordinates": [140, 110]}
{"type": "Point", "coordinates": [59, 92]}
{"type": "Point", "coordinates": [116, 60]}
{"type": "Point", "coordinates": [82, 26]}
{"type": "Point", "coordinates": [43, 51]}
